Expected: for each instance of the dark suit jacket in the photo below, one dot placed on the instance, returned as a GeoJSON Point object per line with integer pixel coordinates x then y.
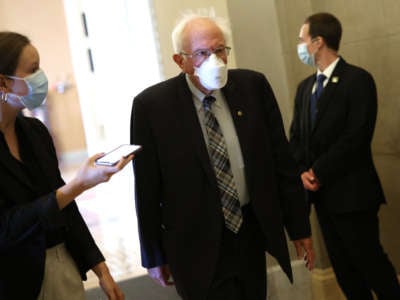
{"type": "Point", "coordinates": [338, 147]}
{"type": "Point", "coordinates": [177, 199]}
{"type": "Point", "coordinates": [23, 219]}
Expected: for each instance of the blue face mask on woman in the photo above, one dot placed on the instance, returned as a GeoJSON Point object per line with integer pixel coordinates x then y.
{"type": "Point", "coordinates": [38, 89]}
{"type": "Point", "coordinates": [31, 90]}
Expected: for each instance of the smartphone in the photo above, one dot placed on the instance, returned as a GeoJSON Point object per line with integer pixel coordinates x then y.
{"type": "Point", "coordinates": [114, 156]}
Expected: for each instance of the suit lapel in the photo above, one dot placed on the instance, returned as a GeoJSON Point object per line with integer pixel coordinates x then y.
{"type": "Point", "coordinates": [8, 162]}
{"type": "Point", "coordinates": [192, 126]}
{"type": "Point", "coordinates": [235, 101]}
{"type": "Point", "coordinates": [12, 165]}
{"type": "Point", "coordinates": [329, 91]}
{"type": "Point", "coordinates": [242, 118]}
{"type": "Point", "coordinates": [306, 107]}
{"type": "Point", "coordinates": [38, 148]}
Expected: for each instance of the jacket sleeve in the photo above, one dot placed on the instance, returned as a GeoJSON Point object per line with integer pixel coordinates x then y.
{"type": "Point", "coordinates": [19, 222]}
{"type": "Point", "coordinates": [290, 190]}
{"type": "Point", "coordinates": [297, 133]}
{"type": "Point", "coordinates": [80, 242]}
{"type": "Point", "coordinates": [78, 239]}
{"type": "Point", "coordinates": [148, 186]}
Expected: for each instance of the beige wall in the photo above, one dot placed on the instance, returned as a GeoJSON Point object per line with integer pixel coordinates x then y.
{"type": "Point", "coordinates": [43, 21]}
{"type": "Point", "coordinates": [259, 45]}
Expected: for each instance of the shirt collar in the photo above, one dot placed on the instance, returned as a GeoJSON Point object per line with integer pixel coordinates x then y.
{"type": "Point", "coordinates": [199, 95]}
{"type": "Point", "coordinates": [329, 70]}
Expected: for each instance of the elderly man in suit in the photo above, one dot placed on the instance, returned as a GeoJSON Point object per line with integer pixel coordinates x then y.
{"type": "Point", "coordinates": [331, 132]}
{"type": "Point", "coordinates": [215, 182]}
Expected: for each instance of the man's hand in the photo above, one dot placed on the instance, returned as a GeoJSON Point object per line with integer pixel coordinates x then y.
{"type": "Point", "coordinates": [310, 181]}
{"type": "Point", "coordinates": [304, 249]}
{"type": "Point", "coordinates": [161, 275]}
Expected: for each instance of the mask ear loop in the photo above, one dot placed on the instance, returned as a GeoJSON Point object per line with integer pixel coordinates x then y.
{"type": "Point", "coordinates": [4, 97]}
{"type": "Point", "coordinates": [3, 89]}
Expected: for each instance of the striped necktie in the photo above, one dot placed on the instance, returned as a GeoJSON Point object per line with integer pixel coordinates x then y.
{"type": "Point", "coordinates": [222, 167]}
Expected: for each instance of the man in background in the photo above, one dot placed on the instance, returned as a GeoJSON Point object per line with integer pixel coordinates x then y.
{"type": "Point", "coordinates": [331, 133]}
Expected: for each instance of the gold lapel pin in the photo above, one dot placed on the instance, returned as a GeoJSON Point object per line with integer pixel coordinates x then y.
{"type": "Point", "coordinates": [335, 79]}
{"type": "Point", "coordinates": [239, 113]}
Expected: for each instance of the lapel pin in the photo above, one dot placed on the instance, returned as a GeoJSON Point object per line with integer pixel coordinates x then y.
{"type": "Point", "coordinates": [239, 113]}
{"type": "Point", "coordinates": [335, 79]}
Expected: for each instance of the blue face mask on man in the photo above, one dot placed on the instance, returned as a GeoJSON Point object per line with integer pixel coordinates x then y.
{"type": "Point", "coordinates": [304, 55]}
{"type": "Point", "coordinates": [31, 90]}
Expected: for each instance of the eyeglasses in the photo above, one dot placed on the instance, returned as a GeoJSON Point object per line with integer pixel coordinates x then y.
{"type": "Point", "coordinates": [201, 55]}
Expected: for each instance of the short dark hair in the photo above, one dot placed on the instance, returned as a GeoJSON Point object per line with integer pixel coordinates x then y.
{"type": "Point", "coordinates": [326, 26]}
{"type": "Point", "coordinates": [11, 46]}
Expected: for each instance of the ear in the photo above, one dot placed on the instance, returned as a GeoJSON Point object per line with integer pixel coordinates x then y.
{"type": "Point", "coordinates": [320, 41]}
{"type": "Point", "coordinates": [178, 59]}
{"type": "Point", "coordinates": [3, 81]}
{"type": "Point", "coordinates": [6, 84]}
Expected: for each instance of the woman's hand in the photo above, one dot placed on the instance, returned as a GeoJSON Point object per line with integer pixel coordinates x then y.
{"type": "Point", "coordinates": [88, 176]}
{"type": "Point", "coordinates": [107, 283]}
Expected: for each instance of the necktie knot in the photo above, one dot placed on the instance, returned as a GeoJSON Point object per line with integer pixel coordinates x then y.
{"type": "Point", "coordinates": [320, 85]}
{"type": "Point", "coordinates": [207, 102]}
{"type": "Point", "coordinates": [320, 79]}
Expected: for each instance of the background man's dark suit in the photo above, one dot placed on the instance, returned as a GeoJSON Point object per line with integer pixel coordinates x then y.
{"type": "Point", "coordinates": [25, 217]}
{"type": "Point", "coordinates": [338, 147]}
{"type": "Point", "coordinates": [178, 205]}
{"type": "Point", "coordinates": [338, 150]}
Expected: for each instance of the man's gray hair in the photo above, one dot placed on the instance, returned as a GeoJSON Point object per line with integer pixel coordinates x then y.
{"type": "Point", "coordinates": [177, 32]}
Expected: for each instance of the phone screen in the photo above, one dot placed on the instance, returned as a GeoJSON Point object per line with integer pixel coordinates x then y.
{"type": "Point", "coordinates": [113, 157]}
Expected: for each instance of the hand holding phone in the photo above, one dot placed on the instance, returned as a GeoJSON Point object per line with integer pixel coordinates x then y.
{"type": "Point", "coordinates": [114, 156]}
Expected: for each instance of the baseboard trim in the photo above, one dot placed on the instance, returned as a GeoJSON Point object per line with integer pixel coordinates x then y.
{"type": "Point", "coordinates": [324, 285]}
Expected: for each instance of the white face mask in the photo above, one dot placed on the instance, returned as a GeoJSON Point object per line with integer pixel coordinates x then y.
{"type": "Point", "coordinates": [213, 73]}
{"type": "Point", "coordinates": [304, 55]}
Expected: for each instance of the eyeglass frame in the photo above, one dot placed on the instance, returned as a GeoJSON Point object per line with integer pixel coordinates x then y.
{"type": "Point", "coordinates": [201, 55]}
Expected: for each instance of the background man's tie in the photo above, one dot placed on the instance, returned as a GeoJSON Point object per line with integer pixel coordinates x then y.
{"type": "Point", "coordinates": [222, 167]}
{"type": "Point", "coordinates": [315, 96]}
